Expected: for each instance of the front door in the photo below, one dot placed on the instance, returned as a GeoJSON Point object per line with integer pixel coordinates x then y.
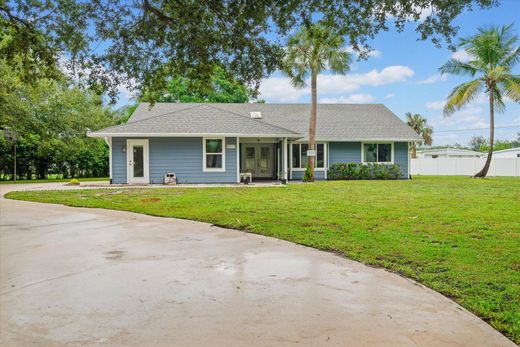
{"type": "Point", "coordinates": [258, 160]}
{"type": "Point", "coordinates": [137, 158]}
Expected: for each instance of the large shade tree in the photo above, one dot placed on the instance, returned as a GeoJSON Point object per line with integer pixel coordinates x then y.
{"type": "Point", "coordinates": [142, 42]}
{"type": "Point", "coordinates": [493, 53]}
{"type": "Point", "coordinates": [309, 52]}
{"type": "Point", "coordinates": [223, 88]}
{"type": "Point", "coordinates": [420, 126]}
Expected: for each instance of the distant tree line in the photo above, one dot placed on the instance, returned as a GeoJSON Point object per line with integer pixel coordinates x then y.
{"type": "Point", "coordinates": [481, 144]}
{"type": "Point", "coordinates": [48, 121]}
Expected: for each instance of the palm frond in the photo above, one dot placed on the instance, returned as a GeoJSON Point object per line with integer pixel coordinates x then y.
{"type": "Point", "coordinates": [512, 58]}
{"type": "Point", "coordinates": [461, 95]}
{"type": "Point", "coordinates": [498, 101]}
{"type": "Point", "coordinates": [312, 50]}
{"type": "Point", "coordinates": [427, 135]}
{"type": "Point", "coordinates": [511, 86]}
{"type": "Point", "coordinates": [339, 61]}
{"type": "Point", "coordinates": [457, 67]}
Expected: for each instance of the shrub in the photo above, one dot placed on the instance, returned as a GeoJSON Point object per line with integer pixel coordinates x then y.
{"type": "Point", "coordinates": [74, 182]}
{"type": "Point", "coordinates": [307, 174]}
{"type": "Point", "coordinates": [363, 171]}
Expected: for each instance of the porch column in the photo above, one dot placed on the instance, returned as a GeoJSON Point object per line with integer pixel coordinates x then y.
{"type": "Point", "coordinates": [284, 151]}
{"type": "Point", "coordinates": [238, 159]}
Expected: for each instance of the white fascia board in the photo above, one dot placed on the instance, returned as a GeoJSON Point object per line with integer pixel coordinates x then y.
{"type": "Point", "coordinates": [362, 140]}
{"type": "Point", "coordinates": [102, 135]}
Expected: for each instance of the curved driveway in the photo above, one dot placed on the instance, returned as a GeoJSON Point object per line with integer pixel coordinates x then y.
{"type": "Point", "coordinates": [76, 276]}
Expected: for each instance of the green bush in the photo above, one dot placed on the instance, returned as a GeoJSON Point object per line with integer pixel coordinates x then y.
{"type": "Point", "coordinates": [307, 174]}
{"type": "Point", "coordinates": [363, 171]}
{"type": "Point", "coordinates": [74, 182]}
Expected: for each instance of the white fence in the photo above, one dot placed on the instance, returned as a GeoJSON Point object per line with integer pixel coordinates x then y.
{"type": "Point", "coordinates": [464, 166]}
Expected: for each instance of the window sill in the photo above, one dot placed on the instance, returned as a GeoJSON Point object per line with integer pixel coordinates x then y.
{"type": "Point", "coordinates": [303, 169]}
{"type": "Point", "coordinates": [214, 170]}
{"type": "Point", "coordinates": [378, 162]}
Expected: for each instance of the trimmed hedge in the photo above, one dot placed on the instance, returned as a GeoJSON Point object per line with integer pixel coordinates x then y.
{"type": "Point", "coordinates": [363, 171]}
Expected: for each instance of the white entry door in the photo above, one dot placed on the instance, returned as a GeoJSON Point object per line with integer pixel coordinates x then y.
{"type": "Point", "coordinates": [137, 159]}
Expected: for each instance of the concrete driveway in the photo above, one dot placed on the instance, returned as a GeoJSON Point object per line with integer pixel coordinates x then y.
{"type": "Point", "coordinates": [75, 276]}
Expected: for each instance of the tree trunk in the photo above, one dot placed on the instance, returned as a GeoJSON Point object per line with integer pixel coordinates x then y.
{"type": "Point", "coordinates": [414, 150]}
{"type": "Point", "coordinates": [312, 124]}
{"type": "Point", "coordinates": [482, 173]}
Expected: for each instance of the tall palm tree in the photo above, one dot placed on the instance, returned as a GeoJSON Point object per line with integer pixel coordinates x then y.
{"type": "Point", "coordinates": [310, 51]}
{"type": "Point", "coordinates": [493, 52]}
{"type": "Point", "coordinates": [418, 124]}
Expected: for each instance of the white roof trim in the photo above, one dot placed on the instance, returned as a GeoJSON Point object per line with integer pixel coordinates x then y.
{"type": "Point", "coordinates": [102, 135]}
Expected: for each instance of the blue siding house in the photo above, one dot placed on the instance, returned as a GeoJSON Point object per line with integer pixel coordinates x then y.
{"type": "Point", "coordinates": [216, 143]}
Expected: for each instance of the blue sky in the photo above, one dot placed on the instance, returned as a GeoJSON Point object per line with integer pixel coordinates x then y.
{"type": "Point", "coordinates": [402, 74]}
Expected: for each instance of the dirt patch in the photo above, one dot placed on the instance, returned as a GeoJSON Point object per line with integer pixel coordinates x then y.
{"type": "Point", "coordinates": [149, 200]}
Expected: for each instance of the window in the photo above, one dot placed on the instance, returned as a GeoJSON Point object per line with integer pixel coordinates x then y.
{"type": "Point", "coordinates": [377, 152]}
{"type": "Point", "coordinates": [299, 155]}
{"type": "Point", "coordinates": [214, 154]}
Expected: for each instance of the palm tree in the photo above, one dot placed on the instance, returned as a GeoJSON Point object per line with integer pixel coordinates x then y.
{"type": "Point", "coordinates": [418, 124]}
{"type": "Point", "coordinates": [310, 51]}
{"type": "Point", "coordinates": [492, 55]}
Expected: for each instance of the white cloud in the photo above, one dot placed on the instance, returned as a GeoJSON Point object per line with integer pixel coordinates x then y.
{"type": "Point", "coordinates": [433, 79]}
{"type": "Point", "coordinates": [461, 55]}
{"type": "Point", "coordinates": [351, 99]}
{"type": "Point", "coordinates": [469, 117]}
{"type": "Point", "coordinates": [127, 91]}
{"type": "Point", "coordinates": [374, 78]}
{"type": "Point", "coordinates": [422, 12]}
{"type": "Point", "coordinates": [435, 105]}
{"type": "Point", "coordinates": [389, 95]}
{"type": "Point", "coordinates": [279, 89]}
{"type": "Point", "coordinates": [373, 53]}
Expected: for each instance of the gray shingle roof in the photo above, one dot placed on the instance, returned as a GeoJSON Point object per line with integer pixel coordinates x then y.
{"type": "Point", "coordinates": [335, 122]}
{"type": "Point", "coordinates": [196, 119]}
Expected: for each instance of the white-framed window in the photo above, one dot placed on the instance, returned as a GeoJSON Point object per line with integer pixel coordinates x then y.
{"type": "Point", "coordinates": [377, 152]}
{"type": "Point", "coordinates": [214, 154]}
{"type": "Point", "coordinates": [299, 156]}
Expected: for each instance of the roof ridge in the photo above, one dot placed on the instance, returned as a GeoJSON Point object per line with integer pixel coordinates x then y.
{"type": "Point", "coordinates": [255, 120]}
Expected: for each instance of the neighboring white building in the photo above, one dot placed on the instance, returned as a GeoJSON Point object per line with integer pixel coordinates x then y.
{"type": "Point", "coordinates": [448, 153]}
{"type": "Point", "coordinates": [506, 153]}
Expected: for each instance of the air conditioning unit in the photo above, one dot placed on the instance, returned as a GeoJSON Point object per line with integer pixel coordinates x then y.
{"type": "Point", "coordinates": [256, 115]}
{"type": "Point", "coordinates": [170, 178]}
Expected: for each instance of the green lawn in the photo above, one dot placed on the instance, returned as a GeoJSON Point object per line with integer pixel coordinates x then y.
{"type": "Point", "coordinates": [56, 180]}
{"type": "Point", "coordinates": [457, 235]}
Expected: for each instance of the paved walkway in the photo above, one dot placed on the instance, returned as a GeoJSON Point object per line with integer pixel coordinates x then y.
{"type": "Point", "coordinates": [75, 276]}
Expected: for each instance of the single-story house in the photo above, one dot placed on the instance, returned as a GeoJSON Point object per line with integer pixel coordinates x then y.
{"type": "Point", "coordinates": [448, 153]}
{"type": "Point", "coordinates": [506, 153]}
{"type": "Point", "coordinates": [215, 143]}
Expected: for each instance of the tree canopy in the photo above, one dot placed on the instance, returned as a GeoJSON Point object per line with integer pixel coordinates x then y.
{"type": "Point", "coordinates": [107, 42]}
{"type": "Point", "coordinates": [50, 120]}
{"type": "Point", "coordinates": [222, 89]}
{"type": "Point", "coordinates": [421, 127]}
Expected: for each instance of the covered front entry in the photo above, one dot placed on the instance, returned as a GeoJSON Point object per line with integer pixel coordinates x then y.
{"type": "Point", "coordinates": [258, 159]}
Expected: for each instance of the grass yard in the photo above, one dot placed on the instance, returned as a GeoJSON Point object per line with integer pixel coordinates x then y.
{"type": "Point", "coordinates": [457, 235]}
{"type": "Point", "coordinates": [52, 180]}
